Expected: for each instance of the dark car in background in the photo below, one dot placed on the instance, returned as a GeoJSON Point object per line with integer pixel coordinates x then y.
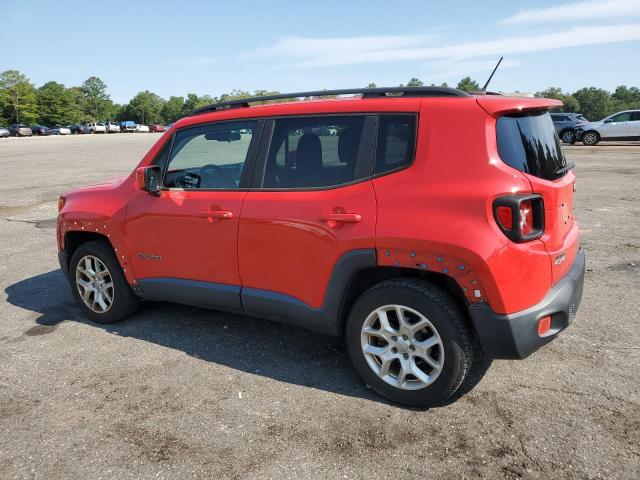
{"type": "Point", "coordinates": [4, 132]}
{"type": "Point", "coordinates": [20, 130]}
{"type": "Point", "coordinates": [128, 126]}
{"type": "Point", "coordinates": [566, 124]}
{"type": "Point", "coordinates": [78, 128]}
{"type": "Point", "coordinates": [157, 128]}
{"type": "Point", "coordinates": [40, 130]}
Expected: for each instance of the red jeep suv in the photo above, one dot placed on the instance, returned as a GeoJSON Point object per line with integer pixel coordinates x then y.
{"type": "Point", "coordinates": [433, 228]}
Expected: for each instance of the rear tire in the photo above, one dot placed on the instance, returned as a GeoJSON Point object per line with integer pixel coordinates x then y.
{"type": "Point", "coordinates": [440, 353]}
{"type": "Point", "coordinates": [590, 138]}
{"type": "Point", "coordinates": [98, 284]}
{"type": "Point", "coordinates": [568, 136]}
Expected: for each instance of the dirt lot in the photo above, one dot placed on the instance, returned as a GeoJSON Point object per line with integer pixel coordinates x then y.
{"type": "Point", "coordinates": [178, 392]}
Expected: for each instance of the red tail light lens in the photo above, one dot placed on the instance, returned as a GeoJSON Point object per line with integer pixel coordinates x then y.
{"type": "Point", "coordinates": [520, 217]}
{"type": "Point", "coordinates": [505, 217]}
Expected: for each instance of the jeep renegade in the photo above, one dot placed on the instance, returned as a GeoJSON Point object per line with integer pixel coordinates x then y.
{"type": "Point", "coordinates": [432, 249]}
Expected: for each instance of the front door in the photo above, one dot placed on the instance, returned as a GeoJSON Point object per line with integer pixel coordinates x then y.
{"type": "Point", "coordinates": [190, 230]}
{"type": "Point", "coordinates": [617, 126]}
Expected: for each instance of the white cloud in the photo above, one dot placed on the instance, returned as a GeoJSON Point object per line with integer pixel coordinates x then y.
{"type": "Point", "coordinates": [591, 9]}
{"type": "Point", "coordinates": [324, 52]}
{"type": "Point", "coordinates": [444, 70]}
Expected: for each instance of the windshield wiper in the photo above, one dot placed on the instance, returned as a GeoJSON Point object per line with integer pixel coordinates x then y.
{"type": "Point", "coordinates": [566, 168]}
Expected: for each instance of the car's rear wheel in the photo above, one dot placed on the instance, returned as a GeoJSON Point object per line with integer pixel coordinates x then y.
{"type": "Point", "coordinates": [409, 342]}
{"type": "Point", "coordinates": [590, 138]}
{"type": "Point", "coordinates": [99, 285]}
{"type": "Point", "coordinates": [568, 136]}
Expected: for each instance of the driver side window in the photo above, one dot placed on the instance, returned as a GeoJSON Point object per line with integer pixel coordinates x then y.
{"type": "Point", "coordinates": [209, 156]}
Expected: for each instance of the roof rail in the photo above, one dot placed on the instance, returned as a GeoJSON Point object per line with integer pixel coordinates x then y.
{"type": "Point", "coordinates": [378, 92]}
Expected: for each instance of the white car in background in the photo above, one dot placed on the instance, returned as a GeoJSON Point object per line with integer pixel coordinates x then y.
{"type": "Point", "coordinates": [96, 128]}
{"type": "Point", "coordinates": [143, 129]}
{"type": "Point", "coordinates": [619, 126]}
{"type": "Point", "coordinates": [112, 127]}
{"type": "Point", "coordinates": [60, 131]}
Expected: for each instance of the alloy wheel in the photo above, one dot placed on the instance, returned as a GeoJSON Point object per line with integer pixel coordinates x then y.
{"type": "Point", "coordinates": [402, 347]}
{"type": "Point", "coordinates": [95, 284]}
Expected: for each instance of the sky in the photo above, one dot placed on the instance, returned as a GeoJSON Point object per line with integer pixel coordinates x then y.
{"type": "Point", "coordinates": [206, 47]}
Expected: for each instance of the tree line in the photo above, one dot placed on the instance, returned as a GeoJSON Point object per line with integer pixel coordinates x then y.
{"type": "Point", "coordinates": [55, 104]}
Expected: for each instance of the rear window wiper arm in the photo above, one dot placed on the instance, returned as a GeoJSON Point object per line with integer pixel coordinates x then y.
{"type": "Point", "coordinates": [566, 168]}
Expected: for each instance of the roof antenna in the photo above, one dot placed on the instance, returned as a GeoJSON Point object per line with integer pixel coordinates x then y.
{"type": "Point", "coordinates": [484, 89]}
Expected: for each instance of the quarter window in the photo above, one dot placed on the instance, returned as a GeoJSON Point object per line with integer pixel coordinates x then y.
{"type": "Point", "coordinates": [396, 142]}
{"type": "Point", "coordinates": [210, 156]}
{"type": "Point", "coordinates": [310, 152]}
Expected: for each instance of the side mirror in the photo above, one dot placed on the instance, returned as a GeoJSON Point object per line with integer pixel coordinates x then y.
{"type": "Point", "coordinates": [148, 179]}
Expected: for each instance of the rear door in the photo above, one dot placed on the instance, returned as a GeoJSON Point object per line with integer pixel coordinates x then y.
{"type": "Point", "coordinates": [313, 201]}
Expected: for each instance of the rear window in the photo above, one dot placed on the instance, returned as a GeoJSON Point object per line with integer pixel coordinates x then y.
{"type": "Point", "coordinates": [530, 144]}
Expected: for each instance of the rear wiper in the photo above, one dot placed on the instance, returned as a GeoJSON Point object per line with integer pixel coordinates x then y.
{"type": "Point", "coordinates": [566, 168]}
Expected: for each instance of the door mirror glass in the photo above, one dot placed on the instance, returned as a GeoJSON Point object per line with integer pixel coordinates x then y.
{"type": "Point", "coordinates": [148, 179]}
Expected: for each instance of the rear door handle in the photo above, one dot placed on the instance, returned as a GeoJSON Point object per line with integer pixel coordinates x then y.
{"type": "Point", "coordinates": [221, 214]}
{"type": "Point", "coordinates": [341, 217]}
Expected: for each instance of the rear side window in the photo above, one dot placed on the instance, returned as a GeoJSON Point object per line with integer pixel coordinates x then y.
{"type": "Point", "coordinates": [396, 142]}
{"type": "Point", "coordinates": [312, 152]}
{"type": "Point", "coordinates": [530, 144]}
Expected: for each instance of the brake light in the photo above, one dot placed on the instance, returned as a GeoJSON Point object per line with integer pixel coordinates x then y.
{"type": "Point", "coordinates": [520, 217]}
{"type": "Point", "coordinates": [505, 217]}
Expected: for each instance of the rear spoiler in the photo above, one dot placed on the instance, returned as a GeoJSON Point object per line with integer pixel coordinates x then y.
{"type": "Point", "coordinates": [499, 105]}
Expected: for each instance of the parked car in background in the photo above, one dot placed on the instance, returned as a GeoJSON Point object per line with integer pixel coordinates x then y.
{"type": "Point", "coordinates": [112, 127]}
{"type": "Point", "coordinates": [59, 130]}
{"type": "Point", "coordinates": [619, 126]}
{"type": "Point", "coordinates": [40, 130]}
{"type": "Point", "coordinates": [157, 128]}
{"type": "Point", "coordinates": [143, 129]}
{"type": "Point", "coordinates": [4, 132]}
{"type": "Point", "coordinates": [95, 127]}
{"type": "Point", "coordinates": [128, 126]}
{"type": "Point", "coordinates": [20, 130]}
{"type": "Point", "coordinates": [566, 124]}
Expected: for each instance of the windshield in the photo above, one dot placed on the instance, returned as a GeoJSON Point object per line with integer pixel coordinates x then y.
{"type": "Point", "coordinates": [530, 143]}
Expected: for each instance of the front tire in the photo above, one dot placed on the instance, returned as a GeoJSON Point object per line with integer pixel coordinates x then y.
{"type": "Point", "coordinates": [409, 341]}
{"type": "Point", "coordinates": [568, 136]}
{"type": "Point", "coordinates": [590, 138]}
{"type": "Point", "coordinates": [99, 285]}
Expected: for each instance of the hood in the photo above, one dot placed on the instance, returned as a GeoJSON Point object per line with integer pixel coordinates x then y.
{"type": "Point", "coordinates": [106, 185]}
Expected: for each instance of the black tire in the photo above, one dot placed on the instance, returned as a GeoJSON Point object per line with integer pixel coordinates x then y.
{"type": "Point", "coordinates": [590, 137]}
{"type": "Point", "coordinates": [438, 307]}
{"type": "Point", "coordinates": [125, 303]}
{"type": "Point", "coordinates": [568, 136]}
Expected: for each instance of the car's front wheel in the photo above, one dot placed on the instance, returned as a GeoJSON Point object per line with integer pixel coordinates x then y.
{"type": "Point", "coordinates": [409, 342]}
{"type": "Point", "coordinates": [590, 138]}
{"type": "Point", "coordinates": [99, 285]}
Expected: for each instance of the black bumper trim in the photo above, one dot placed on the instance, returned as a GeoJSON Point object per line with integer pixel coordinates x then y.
{"type": "Point", "coordinates": [63, 259]}
{"type": "Point", "coordinates": [515, 335]}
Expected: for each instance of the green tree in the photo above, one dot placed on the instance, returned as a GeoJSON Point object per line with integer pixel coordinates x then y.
{"type": "Point", "coordinates": [372, 85]}
{"type": "Point", "coordinates": [194, 101]}
{"type": "Point", "coordinates": [96, 103]}
{"type": "Point", "coordinates": [468, 85]}
{"type": "Point", "coordinates": [145, 107]}
{"type": "Point", "coordinates": [595, 103]}
{"type": "Point", "coordinates": [18, 96]}
{"type": "Point", "coordinates": [57, 105]}
{"type": "Point", "coordinates": [626, 98]}
{"type": "Point", "coordinates": [570, 103]}
{"type": "Point", "coordinates": [415, 82]}
{"type": "Point", "coordinates": [172, 109]}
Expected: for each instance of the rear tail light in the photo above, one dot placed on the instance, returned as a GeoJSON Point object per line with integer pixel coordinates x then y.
{"type": "Point", "coordinates": [520, 217]}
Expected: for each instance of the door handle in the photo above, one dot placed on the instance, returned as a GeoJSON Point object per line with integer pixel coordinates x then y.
{"type": "Point", "coordinates": [221, 214]}
{"type": "Point", "coordinates": [340, 217]}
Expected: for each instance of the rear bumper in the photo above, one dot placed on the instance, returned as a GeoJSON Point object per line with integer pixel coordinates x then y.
{"type": "Point", "coordinates": [515, 335]}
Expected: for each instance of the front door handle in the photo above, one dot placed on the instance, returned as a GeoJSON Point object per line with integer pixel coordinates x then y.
{"type": "Point", "coordinates": [221, 214]}
{"type": "Point", "coordinates": [341, 217]}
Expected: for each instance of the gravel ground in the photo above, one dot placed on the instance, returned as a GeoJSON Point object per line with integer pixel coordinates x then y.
{"type": "Point", "coordinates": [178, 392]}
